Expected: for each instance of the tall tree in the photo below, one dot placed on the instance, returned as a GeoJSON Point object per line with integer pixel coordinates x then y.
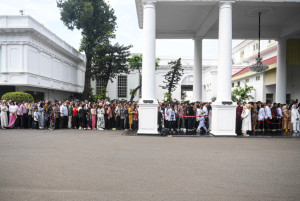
{"type": "Point", "coordinates": [97, 22]}
{"type": "Point", "coordinates": [110, 60]}
{"type": "Point", "coordinates": [172, 77]}
{"type": "Point", "coordinates": [240, 94]}
{"type": "Point", "coordinates": [135, 63]}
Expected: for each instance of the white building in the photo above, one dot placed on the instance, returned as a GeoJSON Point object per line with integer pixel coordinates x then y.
{"type": "Point", "coordinates": [35, 60]}
{"type": "Point", "coordinates": [123, 83]}
{"type": "Point", "coordinates": [214, 19]}
{"type": "Point", "coordinates": [265, 83]}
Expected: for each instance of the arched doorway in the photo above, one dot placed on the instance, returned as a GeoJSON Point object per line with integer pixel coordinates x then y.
{"type": "Point", "coordinates": [187, 88]}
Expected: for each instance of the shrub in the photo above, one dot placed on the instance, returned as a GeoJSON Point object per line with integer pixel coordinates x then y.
{"type": "Point", "coordinates": [17, 96]}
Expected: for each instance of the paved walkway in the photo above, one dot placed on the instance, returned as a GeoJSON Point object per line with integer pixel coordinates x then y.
{"type": "Point", "coordinates": [69, 165]}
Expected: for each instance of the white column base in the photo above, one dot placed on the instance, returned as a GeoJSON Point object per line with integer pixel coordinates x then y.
{"type": "Point", "coordinates": [148, 113]}
{"type": "Point", "coordinates": [223, 119]}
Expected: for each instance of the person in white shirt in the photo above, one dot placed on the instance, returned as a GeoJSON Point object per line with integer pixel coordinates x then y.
{"type": "Point", "coordinates": [295, 118]}
{"type": "Point", "coordinates": [261, 116]}
{"type": "Point", "coordinates": [268, 115]}
{"type": "Point", "coordinates": [201, 124]}
{"type": "Point", "coordinates": [279, 116]}
{"type": "Point", "coordinates": [198, 114]}
{"type": "Point", "coordinates": [64, 115]}
{"type": "Point", "coordinates": [171, 113]}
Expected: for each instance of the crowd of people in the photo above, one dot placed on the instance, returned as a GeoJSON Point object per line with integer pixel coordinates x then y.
{"type": "Point", "coordinates": [122, 115]}
{"type": "Point", "coordinates": [258, 116]}
{"type": "Point", "coordinates": [100, 115]}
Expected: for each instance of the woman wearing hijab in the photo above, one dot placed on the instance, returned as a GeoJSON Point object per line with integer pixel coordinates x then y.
{"type": "Point", "coordinates": [4, 120]}
{"type": "Point", "coordinates": [295, 118]}
{"type": "Point", "coordinates": [246, 117]}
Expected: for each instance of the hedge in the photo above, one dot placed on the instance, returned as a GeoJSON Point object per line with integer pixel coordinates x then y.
{"type": "Point", "coordinates": [17, 96]}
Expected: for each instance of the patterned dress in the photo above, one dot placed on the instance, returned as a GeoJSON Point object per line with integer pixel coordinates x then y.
{"type": "Point", "coordinates": [100, 118]}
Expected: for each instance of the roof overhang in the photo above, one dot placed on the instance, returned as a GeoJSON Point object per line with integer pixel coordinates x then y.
{"type": "Point", "coordinates": [186, 19]}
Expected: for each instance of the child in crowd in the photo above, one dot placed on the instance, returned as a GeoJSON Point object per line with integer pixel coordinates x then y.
{"type": "Point", "coordinates": [36, 118]}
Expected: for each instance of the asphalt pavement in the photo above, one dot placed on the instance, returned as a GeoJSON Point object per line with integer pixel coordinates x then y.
{"type": "Point", "coordinates": [78, 165]}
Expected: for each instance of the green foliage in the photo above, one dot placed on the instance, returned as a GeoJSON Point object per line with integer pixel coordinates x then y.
{"type": "Point", "coordinates": [17, 96]}
{"type": "Point", "coordinates": [168, 96]}
{"type": "Point", "coordinates": [240, 94]}
{"type": "Point", "coordinates": [173, 76]}
{"type": "Point", "coordinates": [109, 61]}
{"type": "Point", "coordinates": [96, 21]}
{"type": "Point", "coordinates": [213, 99]}
{"type": "Point", "coordinates": [135, 63]}
{"type": "Point", "coordinates": [101, 96]}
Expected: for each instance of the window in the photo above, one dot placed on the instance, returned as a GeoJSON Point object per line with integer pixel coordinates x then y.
{"type": "Point", "coordinates": [257, 78]}
{"type": "Point", "coordinates": [0, 58]}
{"type": "Point", "coordinates": [253, 47]}
{"type": "Point", "coordinates": [247, 80]}
{"type": "Point", "coordinates": [269, 97]}
{"type": "Point", "coordinates": [269, 41]}
{"type": "Point", "coordinates": [122, 86]}
{"type": "Point", "coordinates": [288, 98]}
{"type": "Point", "coordinates": [238, 84]}
{"type": "Point", "coordinates": [256, 45]}
{"type": "Point", "coordinates": [99, 86]}
{"type": "Point", "coordinates": [232, 85]}
{"type": "Point", "coordinates": [242, 54]}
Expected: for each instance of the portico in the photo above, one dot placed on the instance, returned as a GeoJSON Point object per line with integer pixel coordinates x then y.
{"type": "Point", "coordinates": [220, 19]}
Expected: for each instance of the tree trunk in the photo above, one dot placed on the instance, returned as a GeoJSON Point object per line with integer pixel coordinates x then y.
{"type": "Point", "coordinates": [133, 93]}
{"type": "Point", "coordinates": [87, 79]}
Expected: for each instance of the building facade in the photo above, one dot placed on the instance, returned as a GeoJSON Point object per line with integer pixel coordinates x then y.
{"type": "Point", "coordinates": [35, 60]}
{"type": "Point", "coordinates": [123, 83]}
{"type": "Point", "coordinates": [265, 83]}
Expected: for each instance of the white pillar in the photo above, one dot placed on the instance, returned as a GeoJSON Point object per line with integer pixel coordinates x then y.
{"type": "Point", "coordinates": [197, 69]}
{"type": "Point", "coordinates": [225, 52]}
{"type": "Point", "coordinates": [224, 110]}
{"type": "Point", "coordinates": [149, 39]}
{"type": "Point", "coordinates": [148, 111]}
{"type": "Point", "coordinates": [281, 72]}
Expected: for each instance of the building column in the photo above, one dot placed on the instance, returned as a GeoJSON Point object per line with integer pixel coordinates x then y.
{"type": "Point", "coordinates": [223, 109]}
{"type": "Point", "coordinates": [281, 72]}
{"type": "Point", "coordinates": [225, 52]}
{"type": "Point", "coordinates": [197, 69]}
{"type": "Point", "coordinates": [148, 106]}
{"type": "Point", "coordinates": [149, 39]}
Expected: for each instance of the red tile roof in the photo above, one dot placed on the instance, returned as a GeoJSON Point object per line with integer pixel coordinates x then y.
{"type": "Point", "coordinates": [247, 69]}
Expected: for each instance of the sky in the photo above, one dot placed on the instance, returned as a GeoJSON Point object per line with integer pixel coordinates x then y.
{"type": "Point", "coordinates": [128, 32]}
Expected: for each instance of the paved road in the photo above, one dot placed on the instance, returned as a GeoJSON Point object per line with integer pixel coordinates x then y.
{"type": "Point", "coordinates": [70, 165]}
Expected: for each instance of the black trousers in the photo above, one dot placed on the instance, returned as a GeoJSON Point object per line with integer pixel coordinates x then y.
{"type": "Point", "coordinates": [191, 122]}
{"type": "Point", "coordinates": [268, 125]}
{"type": "Point", "coordinates": [126, 125]}
{"type": "Point", "coordinates": [36, 124]}
{"type": "Point", "coordinates": [24, 122]}
{"type": "Point", "coordinates": [75, 122]}
{"type": "Point", "coordinates": [118, 122]}
{"type": "Point", "coordinates": [121, 124]}
{"type": "Point", "coordinates": [238, 126]}
{"type": "Point", "coordinates": [135, 125]}
{"type": "Point", "coordinates": [30, 121]}
{"type": "Point", "coordinates": [82, 122]}
{"type": "Point", "coordinates": [172, 125]}
{"type": "Point", "coordinates": [109, 123]}
{"type": "Point", "coordinates": [57, 126]}
{"type": "Point", "coordinates": [18, 121]}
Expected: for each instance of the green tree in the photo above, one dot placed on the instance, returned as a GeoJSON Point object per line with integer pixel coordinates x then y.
{"type": "Point", "coordinates": [97, 22]}
{"type": "Point", "coordinates": [172, 77]}
{"type": "Point", "coordinates": [241, 94]}
{"type": "Point", "coordinates": [135, 63]}
{"type": "Point", "coordinates": [109, 61]}
{"type": "Point", "coordinates": [17, 96]}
